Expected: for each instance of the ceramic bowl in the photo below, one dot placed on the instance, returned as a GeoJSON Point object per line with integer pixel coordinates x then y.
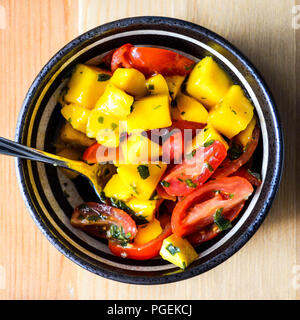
{"type": "Point", "coordinates": [51, 197]}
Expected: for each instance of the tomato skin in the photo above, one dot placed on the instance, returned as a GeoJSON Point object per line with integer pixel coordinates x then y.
{"type": "Point", "coordinates": [146, 251]}
{"type": "Point", "coordinates": [244, 173]}
{"type": "Point", "coordinates": [197, 170]}
{"type": "Point", "coordinates": [97, 153]}
{"type": "Point", "coordinates": [163, 194]}
{"type": "Point", "coordinates": [196, 210]}
{"type": "Point", "coordinates": [228, 167]}
{"type": "Point", "coordinates": [151, 61]}
{"type": "Point", "coordinates": [212, 230]}
{"type": "Point", "coordinates": [96, 218]}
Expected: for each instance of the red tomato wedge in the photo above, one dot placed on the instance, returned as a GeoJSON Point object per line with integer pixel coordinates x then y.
{"type": "Point", "coordinates": [104, 221]}
{"type": "Point", "coordinates": [97, 153]}
{"type": "Point", "coordinates": [184, 178]}
{"type": "Point", "coordinates": [212, 230]}
{"type": "Point", "coordinates": [228, 167]}
{"type": "Point", "coordinates": [140, 252]}
{"type": "Point", "coordinates": [197, 209]}
{"type": "Point", "coordinates": [151, 61]}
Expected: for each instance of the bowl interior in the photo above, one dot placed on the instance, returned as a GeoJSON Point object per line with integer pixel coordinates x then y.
{"type": "Point", "coordinates": [51, 197]}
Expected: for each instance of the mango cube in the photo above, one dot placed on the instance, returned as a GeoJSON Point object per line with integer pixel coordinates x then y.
{"type": "Point", "coordinates": [76, 115]}
{"type": "Point", "coordinates": [144, 208]}
{"type": "Point", "coordinates": [148, 232]}
{"type": "Point", "coordinates": [69, 135]}
{"type": "Point", "coordinates": [174, 84]}
{"type": "Point", "coordinates": [178, 251]}
{"type": "Point", "coordinates": [86, 85]}
{"type": "Point", "coordinates": [115, 102]}
{"type": "Point", "coordinates": [138, 149]}
{"type": "Point", "coordinates": [157, 85]}
{"type": "Point", "coordinates": [208, 82]}
{"type": "Point", "coordinates": [233, 113]}
{"type": "Point", "coordinates": [130, 80]}
{"type": "Point", "coordinates": [141, 185]}
{"type": "Point", "coordinates": [208, 133]}
{"type": "Point", "coordinates": [152, 112]}
{"type": "Point", "coordinates": [245, 136]}
{"type": "Point", "coordinates": [116, 189]}
{"type": "Point", "coordinates": [190, 109]}
{"type": "Point", "coordinates": [105, 128]}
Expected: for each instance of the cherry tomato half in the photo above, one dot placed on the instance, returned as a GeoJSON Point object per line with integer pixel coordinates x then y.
{"type": "Point", "coordinates": [151, 61]}
{"type": "Point", "coordinates": [197, 209]}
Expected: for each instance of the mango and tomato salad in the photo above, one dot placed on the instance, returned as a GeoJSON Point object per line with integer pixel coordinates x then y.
{"type": "Point", "coordinates": [150, 206]}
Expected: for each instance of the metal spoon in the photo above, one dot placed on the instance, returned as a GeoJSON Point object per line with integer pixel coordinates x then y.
{"type": "Point", "coordinates": [91, 172]}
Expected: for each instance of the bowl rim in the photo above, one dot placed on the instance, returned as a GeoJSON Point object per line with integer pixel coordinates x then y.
{"type": "Point", "coordinates": [82, 40]}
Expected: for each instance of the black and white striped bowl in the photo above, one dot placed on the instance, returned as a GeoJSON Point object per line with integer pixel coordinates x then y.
{"type": "Point", "coordinates": [50, 197]}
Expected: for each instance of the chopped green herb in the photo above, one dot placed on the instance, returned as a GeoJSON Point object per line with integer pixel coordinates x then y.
{"type": "Point", "coordinates": [157, 107]}
{"type": "Point", "coordinates": [235, 151]}
{"type": "Point", "coordinates": [190, 155]}
{"type": "Point", "coordinates": [134, 188]}
{"type": "Point", "coordinates": [254, 174]}
{"type": "Point", "coordinates": [209, 167]}
{"type": "Point", "coordinates": [203, 98]}
{"type": "Point", "coordinates": [151, 87]}
{"type": "Point", "coordinates": [131, 108]}
{"type": "Point", "coordinates": [233, 111]}
{"type": "Point", "coordinates": [220, 221]}
{"type": "Point", "coordinates": [208, 143]}
{"type": "Point", "coordinates": [94, 218]}
{"type": "Point", "coordinates": [231, 195]}
{"type": "Point", "coordinates": [182, 113]}
{"type": "Point", "coordinates": [100, 119]}
{"type": "Point", "coordinates": [103, 77]}
{"type": "Point", "coordinates": [190, 183]}
{"type": "Point", "coordinates": [190, 67]}
{"type": "Point", "coordinates": [158, 166]}
{"type": "Point", "coordinates": [113, 126]}
{"type": "Point", "coordinates": [143, 171]}
{"type": "Point", "coordinates": [70, 120]}
{"type": "Point", "coordinates": [172, 249]}
{"type": "Point", "coordinates": [205, 129]}
{"type": "Point", "coordinates": [180, 180]}
{"type": "Point", "coordinates": [165, 184]}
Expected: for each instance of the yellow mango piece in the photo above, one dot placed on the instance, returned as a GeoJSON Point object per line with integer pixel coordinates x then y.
{"type": "Point", "coordinates": [207, 134]}
{"type": "Point", "coordinates": [76, 115]}
{"type": "Point", "coordinates": [86, 85]}
{"type": "Point", "coordinates": [233, 113]}
{"type": "Point", "coordinates": [174, 83]}
{"type": "Point", "coordinates": [157, 85]}
{"type": "Point", "coordinates": [116, 189]}
{"type": "Point", "coordinates": [139, 149]}
{"type": "Point", "coordinates": [141, 186]}
{"type": "Point", "coordinates": [178, 251]}
{"type": "Point", "coordinates": [71, 136]}
{"type": "Point", "coordinates": [130, 80]}
{"type": "Point", "coordinates": [71, 154]}
{"type": "Point", "coordinates": [115, 102]}
{"type": "Point", "coordinates": [144, 208]}
{"type": "Point", "coordinates": [208, 82]}
{"type": "Point", "coordinates": [105, 128]}
{"type": "Point", "coordinates": [152, 112]}
{"type": "Point", "coordinates": [148, 232]}
{"type": "Point", "coordinates": [190, 109]}
{"type": "Point", "coordinates": [245, 136]}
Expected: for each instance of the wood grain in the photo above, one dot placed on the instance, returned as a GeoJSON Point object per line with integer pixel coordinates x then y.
{"type": "Point", "coordinates": [30, 267]}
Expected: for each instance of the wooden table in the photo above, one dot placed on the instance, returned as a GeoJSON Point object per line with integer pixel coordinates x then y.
{"type": "Point", "coordinates": [31, 31]}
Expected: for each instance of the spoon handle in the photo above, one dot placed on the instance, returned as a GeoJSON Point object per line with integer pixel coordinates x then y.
{"type": "Point", "coordinates": [12, 148]}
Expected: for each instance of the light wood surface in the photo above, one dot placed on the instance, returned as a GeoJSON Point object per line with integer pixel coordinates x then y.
{"type": "Point", "coordinates": [31, 31]}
